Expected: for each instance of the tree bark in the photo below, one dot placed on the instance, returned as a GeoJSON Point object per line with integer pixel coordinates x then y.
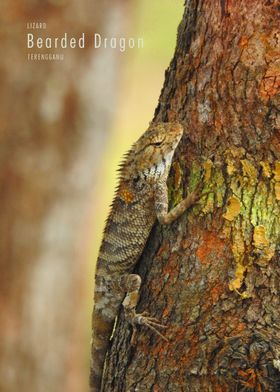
{"type": "Point", "coordinates": [213, 276]}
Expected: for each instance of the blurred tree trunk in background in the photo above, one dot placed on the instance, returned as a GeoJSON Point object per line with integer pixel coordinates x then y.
{"type": "Point", "coordinates": [55, 117]}
{"type": "Point", "coordinates": [213, 276]}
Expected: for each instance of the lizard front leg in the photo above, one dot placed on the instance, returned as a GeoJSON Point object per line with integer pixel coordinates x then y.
{"type": "Point", "coordinates": [131, 284]}
{"type": "Point", "coordinates": [166, 217]}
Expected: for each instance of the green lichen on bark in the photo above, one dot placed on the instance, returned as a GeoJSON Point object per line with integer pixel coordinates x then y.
{"type": "Point", "coordinates": [175, 185]}
{"type": "Point", "coordinates": [250, 210]}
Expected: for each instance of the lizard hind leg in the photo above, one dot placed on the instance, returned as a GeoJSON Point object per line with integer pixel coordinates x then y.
{"type": "Point", "coordinates": [131, 284]}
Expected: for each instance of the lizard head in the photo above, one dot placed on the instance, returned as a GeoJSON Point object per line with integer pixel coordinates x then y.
{"type": "Point", "coordinates": [151, 155]}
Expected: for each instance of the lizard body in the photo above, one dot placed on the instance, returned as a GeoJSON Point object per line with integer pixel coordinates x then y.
{"type": "Point", "coordinates": [141, 198]}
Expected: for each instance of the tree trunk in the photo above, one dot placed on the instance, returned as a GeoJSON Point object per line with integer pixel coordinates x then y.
{"type": "Point", "coordinates": [213, 276]}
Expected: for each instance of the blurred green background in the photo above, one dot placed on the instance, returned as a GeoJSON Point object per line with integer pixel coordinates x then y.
{"type": "Point", "coordinates": [64, 126]}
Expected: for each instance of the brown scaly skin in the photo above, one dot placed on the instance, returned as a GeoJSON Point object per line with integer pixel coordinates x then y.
{"type": "Point", "coordinates": [141, 198]}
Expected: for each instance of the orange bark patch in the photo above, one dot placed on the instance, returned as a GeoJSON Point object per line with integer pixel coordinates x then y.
{"type": "Point", "coordinates": [218, 388]}
{"type": "Point", "coordinates": [250, 378]}
{"type": "Point", "coordinates": [167, 310]}
{"type": "Point", "coordinates": [240, 327]}
{"type": "Point", "coordinates": [216, 292]}
{"type": "Point", "coordinates": [211, 248]}
{"type": "Point", "coordinates": [193, 351]}
{"type": "Point", "coordinates": [243, 41]}
{"type": "Point", "coordinates": [180, 333]}
{"type": "Point", "coordinates": [158, 351]}
{"type": "Point", "coordinates": [171, 269]}
{"type": "Point", "coordinates": [187, 358]}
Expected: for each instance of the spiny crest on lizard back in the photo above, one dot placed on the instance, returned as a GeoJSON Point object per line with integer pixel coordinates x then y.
{"type": "Point", "coordinates": [152, 152]}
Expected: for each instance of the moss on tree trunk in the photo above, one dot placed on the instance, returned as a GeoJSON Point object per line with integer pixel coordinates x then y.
{"type": "Point", "coordinates": [213, 276]}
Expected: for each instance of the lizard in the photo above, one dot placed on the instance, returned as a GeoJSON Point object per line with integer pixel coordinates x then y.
{"type": "Point", "coordinates": [141, 198]}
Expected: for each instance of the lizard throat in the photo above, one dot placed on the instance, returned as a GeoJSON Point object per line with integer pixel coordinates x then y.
{"type": "Point", "coordinates": [158, 170]}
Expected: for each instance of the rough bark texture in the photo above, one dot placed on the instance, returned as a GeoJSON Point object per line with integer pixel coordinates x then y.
{"type": "Point", "coordinates": [213, 276]}
{"type": "Point", "coordinates": [54, 125]}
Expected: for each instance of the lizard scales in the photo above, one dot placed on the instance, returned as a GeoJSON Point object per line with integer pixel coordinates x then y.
{"type": "Point", "coordinates": [141, 198]}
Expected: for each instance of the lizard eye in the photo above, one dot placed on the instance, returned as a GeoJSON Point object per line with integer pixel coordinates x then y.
{"type": "Point", "coordinates": [158, 141]}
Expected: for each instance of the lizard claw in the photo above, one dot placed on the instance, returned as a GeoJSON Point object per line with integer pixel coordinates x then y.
{"type": "Point", "coordinates": [144, 314]}
{"type": "Point", "coordinates": [151, 322]}
{"type": "Point", "coordinates": [196, 195]}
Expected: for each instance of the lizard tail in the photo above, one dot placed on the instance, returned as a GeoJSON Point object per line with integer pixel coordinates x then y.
{"type": "Point", "coordinates": [101, 333]}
